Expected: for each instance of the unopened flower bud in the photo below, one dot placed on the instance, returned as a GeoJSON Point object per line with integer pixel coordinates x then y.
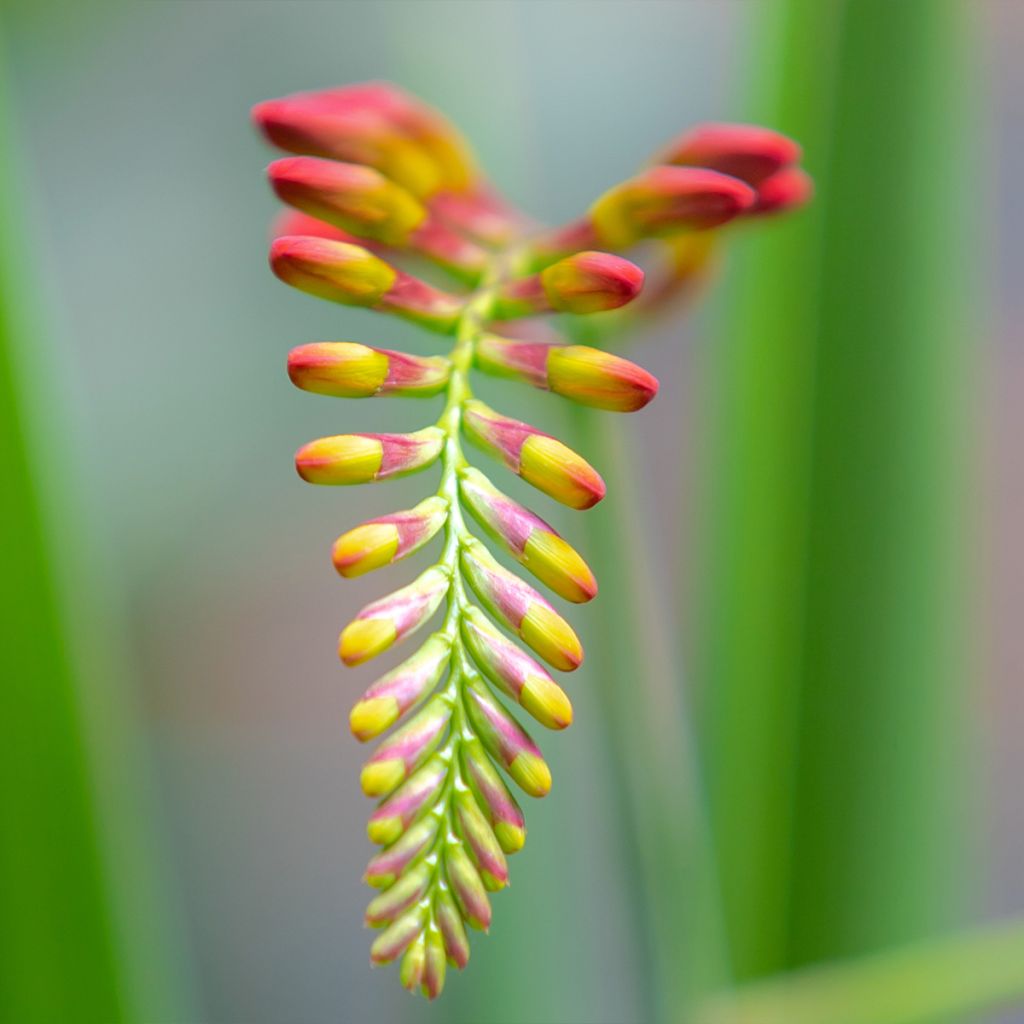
{"type": "Point", "coordinates": [397, 937]}
{"type": "Point", "coordinates": [515, 603]}
{"type": "Point", "coordinates": [527, 538]}
{"type": "Point", "coordinates": [499, 805]}
{"type": "Point", "coordinates": [409, 889]}
{"type": "Point", "coordinates": [401, 689]}
{"type": "Point", "coordinates": [389, 538]}
{"type": "Point", "coordinates": [538, 458]}
{"type": "Point", "coordinates": [364, 458]}
{"type": "Point", "coordinates": [515, 672]}
{"type": "Point", "coordinates": [467, 887]}
{"type": "Point", "coordinates": [745, 151]}
{"type": "Point", "coordinates": [414, 961]}
{"type": "Point", "coordinates": [435, 964]}
{"type": "Point", "coordinates": [406, 749]}
{"type": "Point", "coordinates": [662, 201]}
{"type": "Point", "coordinates": [407, 803]}
{"type": "Point", "coordinates": [383, 623]}
{"type": "Point", "coordinates": [484, 846]}
{"type": "Point", "coordinates": [389, 865]}
{"type": "Point", "coordinates": [449, 920]}
{"type": "Point", "coordinates": [346, 369]}
{"type": "Point", "coordinates": [506, 741]}
{"type": "Point", "coordinates": [783, 191]}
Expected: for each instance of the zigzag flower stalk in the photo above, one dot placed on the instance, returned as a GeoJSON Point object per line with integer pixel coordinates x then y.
{"type": "Point", "coordinates": [377, 177]}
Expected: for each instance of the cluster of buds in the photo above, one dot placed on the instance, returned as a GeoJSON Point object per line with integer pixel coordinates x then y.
{"type": "Point", "coordinates": [376, 178]}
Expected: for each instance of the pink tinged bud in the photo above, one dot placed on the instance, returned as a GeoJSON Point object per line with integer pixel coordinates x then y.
{"type": "Point", "coordinates": [585, 375]}
{"type": "Point", "coordinates": [406, 749]}
{"type": "Point", "coordinates": [435, 964]}
{"type": "Point", "coordinates": [398, 936]}
{"type": "Point", "coordinates": [747, 152]}
{"type": "Point", "coordinates": [467, 887]}
{"type": "Point", "coordinates": [495, 800]}
{"type": "Point", "coordinates": [346, 369]}
{"type": "Point", "coordinates": [389, 865]}
{"type": "Point", "coordinates": [538, 458]}
{"type": "Point", "coordinates": [785, 190]}
{"type": "Point", "coordinates": [482, 843]}
{"type": "Point", "coordinates": [354, 276]}
{"type": "Point", "coordinates": [414, 962]}
{"type": "Point", "coordinates": [516, 604]}
{"type": "Point", "coordinates": [585, 282]}
{"type": "Point", "coordinates": [387, 621]}
{"type": "Point", "coordinates": [515, 673]}
{"type": "Point", "coordinates": [308, 125]}
{"type": "Point", "coordinates": [506, 741]}
{"type": "Point", "coordinates": [663, 201]}
{"type": "Point", "coordinates": [401, 689]}
{"type": "Point", "coordinates": [349, 196]}
{"type": "Point", "coordinates": [294, 222]}
{"type": "Point", "coordinates": [364, 458]}
{"type": "Point", "coordinates": [449, 921]}
{"type": "Point", "coordinates": [527, 538]}
{"type": "Point", "coordinates": [409, 889]}
{"type": "Point", "coordinates": [407, 803]}
{"type": "Point", "coordinates": [389, 538]}
{"type": "Point", "coordinates": [590, 282]}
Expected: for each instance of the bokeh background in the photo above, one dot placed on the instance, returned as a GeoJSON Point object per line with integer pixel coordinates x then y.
{"type": "Point", "coordinates": [840, 759]}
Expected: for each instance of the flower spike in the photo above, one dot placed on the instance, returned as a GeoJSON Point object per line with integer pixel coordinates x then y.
{"type": "Point", "coordinates": [376, 180]}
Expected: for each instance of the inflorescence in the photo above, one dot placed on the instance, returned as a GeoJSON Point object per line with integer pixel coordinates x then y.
{"type": "Point", "coordinates": [380, 177]}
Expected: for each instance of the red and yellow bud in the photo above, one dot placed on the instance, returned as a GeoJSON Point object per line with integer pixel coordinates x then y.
{"type": "Point", "coordinates": [435, 964]}
{"type": "Point", "coordinates": [506, 741]}
{"type": "Point", "coordinates": [414, 962]}
{"type": "Point", "coordinates": [483, 844]}
{"type": "Point", "coordinates": [365, 458]}
{"type": "Point", "coordinates": [527, 538]}
{"type": "Point", "coordinates": [785, 190]}
{"type": "Point", "coordinates": [354, 276]}
{"type": "Point", "coordinates": [387, 621]}
{"type": "Point", "coordinates": [583, 374]}
{"type": "Point", "coordinates": [748, 152]}
{"type": "Point", "coordinates": [585, 282]}
{"type": "Point", "coordinates": [467, 887]}
{"type": "Point", "coordinates": [346, 369]}
{"type": "Point", "coordinates": [498, 804]}
{"type": "Point", "coordinates": [664, 201]}
{"type": "Point", "coordinates": [401, 689]}
{"type": "Point", "coordinates": [449, 920]}
{"type": "Point", "coordinates": [515, 672]}
{"type": "Point", "coordinates": [350, 196]}
{"type": "Point", "coordinates": [406, 749]}
{"type": "Point", "coordinates": [398, 936]}
{"type": "Point", "coordinates": [389, 865]}
{"type": "Point", "coordinates": [408, 890]}
{"type": "Point", "coordinates": [537, 457]}
{"type": "Point", "coordinates": [407, 803]}
{"type": "Point", "coordinates": [515, 603]}
{"type": "Point", "coordinates": [388, 539]}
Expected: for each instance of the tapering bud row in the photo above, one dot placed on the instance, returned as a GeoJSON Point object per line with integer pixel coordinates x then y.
{"type": "Point", "coordinates": [537, 457]}
{"type": "Point", "coordinates": [365, 458]}
{"type": "Point", "coordinates": [346, 369]}
{"type": "Point", "coordinates": [518, 606]}
{"type": "Point", "coordinates": [506, 740]}
{"type": "Point", "coordinates": [389, 538]}
{"type": "Point", "coordinates": [354, 276]}
{"type": "Point", "coordinates": [383, 623]}
{"type": "Point", "coordinates": [583, 374]}
{"type": "Point", "coordinates": [527, 538]}
{"type": "Point", "coordinates": [585, 282]}
{"type": "Point", "coordinates": [401, 689]}
{"type": "Point", "coordinates": [515, 672]}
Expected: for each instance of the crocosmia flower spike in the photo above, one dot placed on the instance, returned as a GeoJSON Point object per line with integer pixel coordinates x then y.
{"type": "Point", "coordinates": [377, 183]}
